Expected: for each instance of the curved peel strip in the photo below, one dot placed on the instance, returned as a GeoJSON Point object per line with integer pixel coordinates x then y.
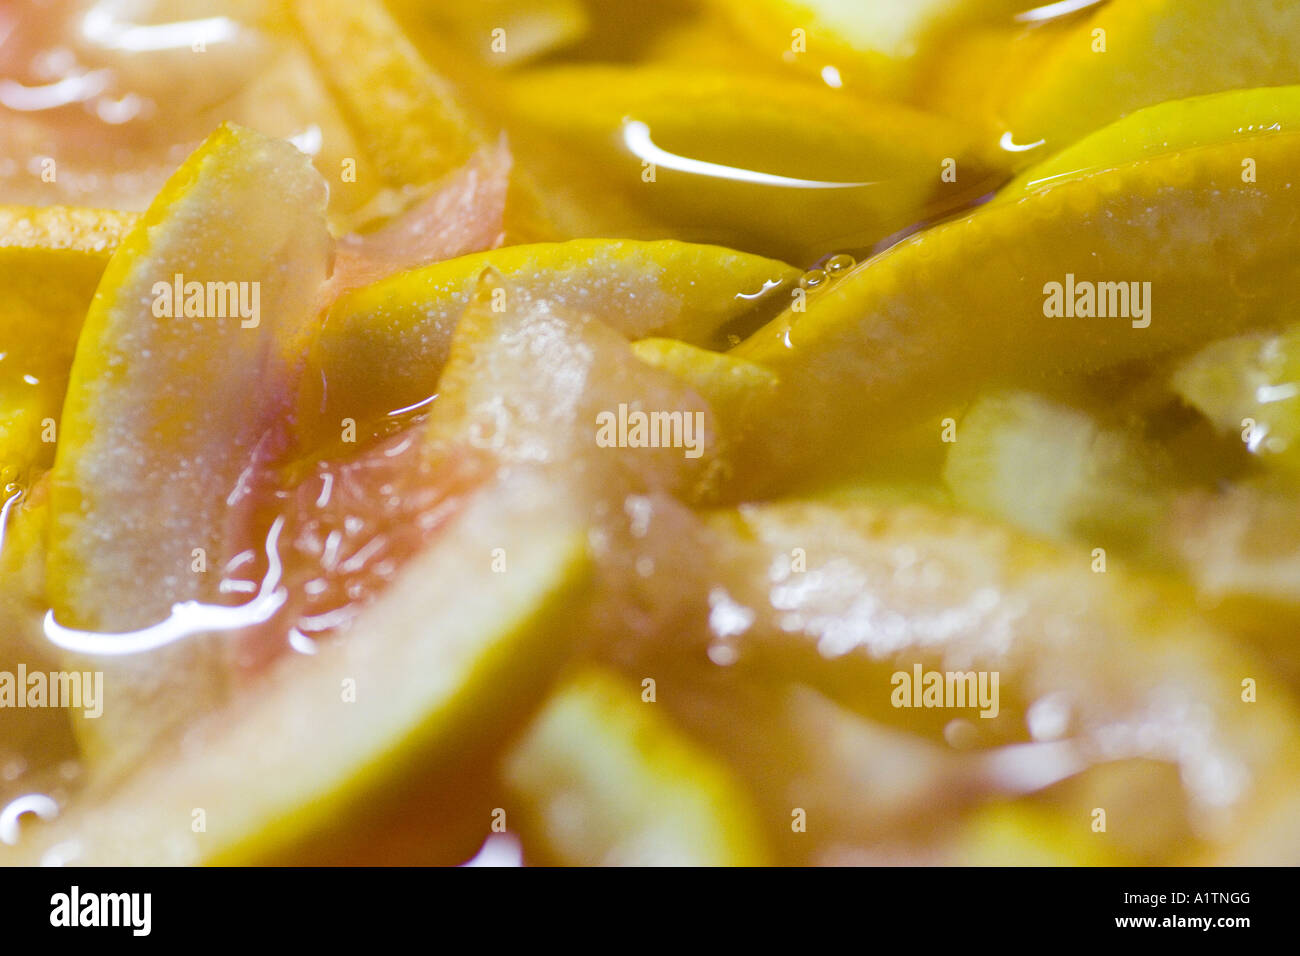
{"type": "Point", "coordinates": [404, 114]}
{"type": "Point", "coordinates": [383, 346]}
{"type": "Point", "coordinates": [1136, 53]}
{"type": "Point", "coordinates": [788, 169]}
{"type": "Point", "coordinates": [163, 411]}
{"type": "Point", "coordinates": [441, 665]}
{"type": "Point", "coordinates": [911, 335]}
{"type": "Point", "coordinates": [170, 393]}
{"type": "Point", "coordinates": [1211, 120]}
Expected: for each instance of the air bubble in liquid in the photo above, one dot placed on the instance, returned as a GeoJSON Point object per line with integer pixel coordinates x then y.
{"type": "Point", "coordinates": [812, 279]}
{"type": "Point", "coordinates": [836, 266]}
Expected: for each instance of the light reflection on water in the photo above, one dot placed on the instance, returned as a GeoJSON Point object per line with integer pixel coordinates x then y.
{"type": "Point", "coordinates": [1008, 143]}
{"type": "Point", "coordinates": [103, 26]}
{"type": "Point", "coordinates": [77, 88]}
{"type": "Point", "coordinates": [31, 803]}
{"type": "Point", "coordinates": [187, 618]}
{"type": "Point", "coordinates": [500, 849]}
{"type": "Point", "coordinates": [636, 137]}
{"type": "Point", "coordinates": [1055, 11]}
{"type": "Point", "coordinates": [8, 506]}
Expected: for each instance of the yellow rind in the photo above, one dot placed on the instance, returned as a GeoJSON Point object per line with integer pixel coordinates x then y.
{"type": "Point", "coordinates": [382, 347]}
{"type": "Point", "coordinates": [910, 336]}
{"type": "Point", "coordinates": [442, 665]}
{"type": "Point", "coordinates": [601, 778]}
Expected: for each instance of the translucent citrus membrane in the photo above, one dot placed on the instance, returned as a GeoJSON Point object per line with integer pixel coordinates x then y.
{"type": "Point", "coordinates": [77, 91]}
{"type": "Point", "coordinates": [448, 660]}
{"type": "Point", "coordinates": [1250, 385]}
{"type": "Point", "coordinates": [101, 100]}
{"type": "Point", "coordinates": [311, 544]}
{"type": "Point", "coordinates": [345, 526]}
{"type": "Point", "coordinates": [465, 213]}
